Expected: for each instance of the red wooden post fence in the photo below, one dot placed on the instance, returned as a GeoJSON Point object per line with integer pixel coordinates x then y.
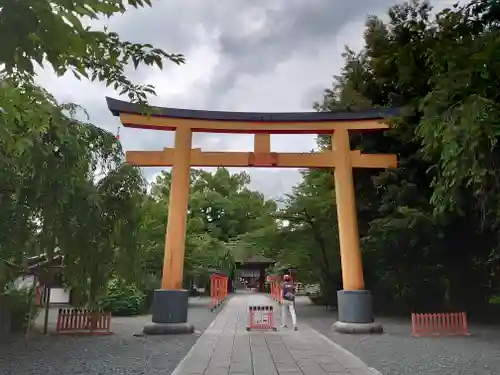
{"type": "Point", "coordinates": [218, 289]}
{"type": "Point", "coordinates": [439, 324]}
{"type": "Point", "coordinates": [276, 290]}
{"type": "Point", "coordinates": [91, 321]}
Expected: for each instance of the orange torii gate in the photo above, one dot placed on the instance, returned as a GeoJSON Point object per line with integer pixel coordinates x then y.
{"type": "Point", "coordinates": [170, 302]}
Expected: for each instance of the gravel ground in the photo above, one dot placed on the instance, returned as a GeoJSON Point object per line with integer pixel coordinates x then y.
{"type": "Point", "coordinates": [117, 354]}
{"type": "Point", "coordinates": [397, 352]}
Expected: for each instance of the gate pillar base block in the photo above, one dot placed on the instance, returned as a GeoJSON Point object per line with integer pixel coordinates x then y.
{"type": "Point", "coordinates": [358, 328]}
{"type": "Point", "coordinates": [170, 310]}
{"type": "Point", "coordinates": [355, 313]}
{"type": "Point", "coordinates": [168, 329]}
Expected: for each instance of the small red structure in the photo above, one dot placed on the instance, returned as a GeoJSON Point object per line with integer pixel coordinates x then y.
{"type": "Point", "coordinates": [439, 324]}
{"type": "Point", "coordinates": [94, 322]}
{"type": "Point", "coordinates": [218, 289]}
{"type": "Point", "coordinates": [276, 291]}
{"type": "Point", "coordinates": [261, 318]}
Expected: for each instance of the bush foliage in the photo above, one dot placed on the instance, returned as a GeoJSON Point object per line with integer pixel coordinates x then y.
{"type": "Point", "coordinates": [122, 299]}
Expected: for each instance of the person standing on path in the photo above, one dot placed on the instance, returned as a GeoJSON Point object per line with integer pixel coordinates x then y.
{"type": "Point", "coordinates": [288, 302]}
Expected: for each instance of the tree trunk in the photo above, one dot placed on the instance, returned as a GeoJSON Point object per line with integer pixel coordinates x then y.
{"type": "Point", "coordinates": [48, 289]}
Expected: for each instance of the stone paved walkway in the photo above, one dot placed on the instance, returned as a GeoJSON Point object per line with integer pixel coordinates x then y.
{"type": "Point", "coordinates": [227, 348]}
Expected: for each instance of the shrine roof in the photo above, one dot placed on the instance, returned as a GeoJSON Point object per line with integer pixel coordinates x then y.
{"type": "Point", "coordinates": [118, 106]}
{"type": "Point", "coordinates": [216, 271]}
{"type": "Point", "coordinates": [34, 264]}
{"type": "Point", "coordinates": [256, 259]}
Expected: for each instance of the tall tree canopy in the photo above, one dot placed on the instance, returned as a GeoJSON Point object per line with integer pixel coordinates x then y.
{"type": "Point", "coordinates": [222, 211]}
{"type": "Point", "coordinates": [430, 228]}
{"type": "Point", "coordinates": [67, 188]}
{"type": "Point", "coordinates": [57, 33]}
{"type": "Point", "coordinates": [63, 181]}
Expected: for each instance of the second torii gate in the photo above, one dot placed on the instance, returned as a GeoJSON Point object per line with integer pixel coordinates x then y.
{"type": "Point", "coordinates": [170, 302]}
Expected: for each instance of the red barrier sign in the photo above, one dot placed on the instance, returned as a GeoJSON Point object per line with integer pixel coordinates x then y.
{"type": "Point", "coordinates": [261, 318]}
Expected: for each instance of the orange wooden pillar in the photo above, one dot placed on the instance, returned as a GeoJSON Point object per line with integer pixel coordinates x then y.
{"type": "Point", "coordinates": [262, 143]}
{"type": "Point", "coordinates": [350, 253]}
{"type": "Point", "coordinates": [170, 304]}
{"type": "Point", "coordinates": [175, 240]}
{"type": "Point", "coordinates": [355, 312]}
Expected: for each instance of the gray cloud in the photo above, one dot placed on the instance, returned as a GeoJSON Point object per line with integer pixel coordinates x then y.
{"type": "Point", "coordinates": [293, 30]}
{"type": "Point", "coordinates": [252, 38]}
{"type": "Point", "coordinates": [258, 55]}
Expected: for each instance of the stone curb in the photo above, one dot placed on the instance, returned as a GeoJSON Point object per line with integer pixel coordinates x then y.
{"type": "Point", "coordinates": [371, 370]}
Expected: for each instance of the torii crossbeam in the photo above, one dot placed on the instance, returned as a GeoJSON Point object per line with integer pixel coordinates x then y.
{"type": "Point", "coordinates": [170, 303]}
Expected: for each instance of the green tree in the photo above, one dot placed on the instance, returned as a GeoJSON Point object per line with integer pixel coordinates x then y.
{"type": "Point", "coordinates": [70, 190]}
{"type": "Point", "coordinates": [49, 193]}
{"type": "Point", "coordinates": [56, 33]}
{"type": "Point", "coordinates": [222, 211]}
{"type": "Point", "coordinates": [430, 227]}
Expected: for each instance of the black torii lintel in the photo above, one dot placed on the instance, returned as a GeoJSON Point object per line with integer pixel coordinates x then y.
{"type": "Point", "coordinates": [119, 106]}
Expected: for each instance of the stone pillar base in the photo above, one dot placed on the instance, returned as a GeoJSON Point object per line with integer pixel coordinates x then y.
{"type": "Point", "coordinates": [357, 328]}
{"type": "Point", "coordinates": [167, 329]}
{"type": "Point", "coordinates": [170, 310]}
{"type": "Point", "coordinates": [355, 313]}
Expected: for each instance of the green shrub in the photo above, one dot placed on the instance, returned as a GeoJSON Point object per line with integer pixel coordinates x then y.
{"type": "Point", "coordinates": [267, 288]}
{"type": "Point", "coordinates": [19, 308]}
{"type": "Point", "coordinates": [150, 283]}
{"type": "Point", "coordinates": [122, 299]}
{"type": "Point", "coordinates": [495, 300]}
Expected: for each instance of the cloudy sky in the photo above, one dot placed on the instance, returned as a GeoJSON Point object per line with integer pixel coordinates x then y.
{"type": "Point", "coordinates": [242, 55]}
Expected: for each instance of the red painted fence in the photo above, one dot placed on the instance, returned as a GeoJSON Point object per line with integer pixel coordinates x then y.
{"type": "Point", "coordinates": [218, 289]}
{"type": "Point", "coordinates": [439, 324]}
{"type": "Point", "coordinates": [276, 291]}
{"type": "Point", "coordinates": [94, 322]}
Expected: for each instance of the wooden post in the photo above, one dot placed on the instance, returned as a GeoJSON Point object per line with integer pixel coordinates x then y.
{"type": "Point", "coordinates": [48, 289]}
{"type": "Point", "coordinates": [350, 253]}
{"type": "Point", "coordinates": [262, 143]}
{"type": "Point", "coordinates": [30, 311]}
{"type": "Point", "coordinates": [175, 240]}
{"type": "Point", "coordinates": [262, 280]}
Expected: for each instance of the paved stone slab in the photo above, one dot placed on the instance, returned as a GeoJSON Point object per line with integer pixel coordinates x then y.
{"type": "Point", "coordinates": [226, 348]}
